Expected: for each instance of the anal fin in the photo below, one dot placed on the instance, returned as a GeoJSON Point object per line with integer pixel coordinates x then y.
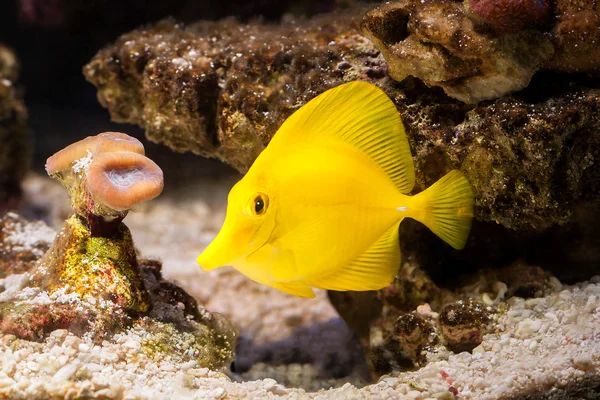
{"type": "Point", "coordinates": [296, 288]}
{"type": "Point", "coordinates": [375, 269]}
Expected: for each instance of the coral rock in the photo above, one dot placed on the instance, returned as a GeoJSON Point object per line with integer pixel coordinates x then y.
{"type": "Point", "coordinates": [224, 95]}
{"type": "Point", "coordinates": [523, 280]}
{"type": "Point", "coordinates": [99, 268]}
{"type": "Point", "coordinates": [223, 88]}
{"type": "Point", "coordinates": [15, 151]}
{"type": "Point", "coordinates": [96, 286]}
{"type": "Point", "coordinates": [413, 333]}
{"type": "Point", "coordinates": [510, 15]}
{"type": "Point", "coordinates": [437, 42]}
{"type": "Point", "coordinates": [450, 44]}
{"type": "Point", "coordinates": [576, 36]}
{"type": "Point", "coordinates": [35, 322]}
{"type": "Point", "coordinates": [464, 323]}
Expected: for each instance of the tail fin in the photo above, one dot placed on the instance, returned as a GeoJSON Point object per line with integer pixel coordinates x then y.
{"type": "Point", "coordinates": [447, 208]}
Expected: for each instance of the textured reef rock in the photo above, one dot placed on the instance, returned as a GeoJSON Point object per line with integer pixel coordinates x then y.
{"type": "Point", "coordinates": [14, 134]}
{"type": "Point", "coordinates": [97, 301]}
{"type": "Point", "coordinates": [576, 36]}
{"type": "Point", "coordinates": [509, 16]}
{"type": "Point", "coordinates": [222, 89]}
{"type": "Point", "coordinates": [94, 267]}
{"type": "Point", "coordinates": [438, 43]}
{"type": "Point", "coordinates": [481, 49]}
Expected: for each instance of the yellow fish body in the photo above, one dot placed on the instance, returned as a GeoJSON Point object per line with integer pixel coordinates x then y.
{"type": "Point", "coordinates": [321, 205]}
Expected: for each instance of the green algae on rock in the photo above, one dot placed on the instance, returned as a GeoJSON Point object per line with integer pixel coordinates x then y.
{"type": "Point", "coordinates": [15, 151]}
{"type": "Point", "coordinates": [98, 268]}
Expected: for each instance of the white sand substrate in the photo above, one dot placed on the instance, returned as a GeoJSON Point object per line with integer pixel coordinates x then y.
{"type": "Point", "coordinates": [542, 345]}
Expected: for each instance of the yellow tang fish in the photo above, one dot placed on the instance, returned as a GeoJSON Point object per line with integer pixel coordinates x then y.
{"type": "Point", "coordinates": [321, 205]}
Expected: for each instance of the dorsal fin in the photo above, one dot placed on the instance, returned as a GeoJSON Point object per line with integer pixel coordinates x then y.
{"type": "Point", "coordinates": [362, 115]}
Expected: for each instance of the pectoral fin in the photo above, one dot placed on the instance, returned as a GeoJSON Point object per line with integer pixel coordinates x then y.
{"type": "Point", "coordinates": [375, 269]}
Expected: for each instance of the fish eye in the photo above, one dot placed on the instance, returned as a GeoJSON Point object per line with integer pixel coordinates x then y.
{"type": "Point", "coordinates": [259, 204]}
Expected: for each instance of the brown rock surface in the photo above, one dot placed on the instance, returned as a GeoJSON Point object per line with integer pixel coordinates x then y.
{"type": "Point", "coordinates": [222, 89]}
{"type": "Point", "coordinates": [438, 43]}
{"type": "Point", "coordinates": [14, 134]}
{"type": "Point", "coordinates": [480, 49]}
{"type": "Point", "coordinates": [576, 36]}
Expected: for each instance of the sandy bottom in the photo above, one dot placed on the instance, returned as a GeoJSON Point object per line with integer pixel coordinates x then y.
{"type": "Point", "coordinates": [546, 347]}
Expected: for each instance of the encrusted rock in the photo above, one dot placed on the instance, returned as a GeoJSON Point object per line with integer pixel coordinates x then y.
{"type": "Point", "coordinates": [484, 49]}
{"type": "Point", "coordinates": [413, 332]}
{"type": "Point", "coordinates": [222, 89]}
{"type": "Point", "coordinates": [97, 268]}
{"type": "Point", "coordinates": [523, 280]}
{"type": "Point", "coordinates": [464, 323]}
{"type": "Point", "coordinates": [90, 280]}
{"type": "Point", "coordinates": [15, 145]}
{"type": "Point", "coordinates": [401, 340]}
{"type": "Point", "coordinates": [92, 297]}
{"type": "Point", "coordinates": [507, 16]}
{"type": "Point", "coordinates": [576, 36]}
{"type": "Point", "coordinates": [437, 42]}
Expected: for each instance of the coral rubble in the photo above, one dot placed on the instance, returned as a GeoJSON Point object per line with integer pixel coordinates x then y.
{"type": "Point", "coordinates": [14, 134]}
{"type": "Point", "coordinates": [222, 89]}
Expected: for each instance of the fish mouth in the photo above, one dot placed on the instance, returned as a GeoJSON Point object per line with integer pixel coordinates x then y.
{"type": "Point", "coordinates": [225, 250]}
{"type": "Point", "coordinates": [217, 254]}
